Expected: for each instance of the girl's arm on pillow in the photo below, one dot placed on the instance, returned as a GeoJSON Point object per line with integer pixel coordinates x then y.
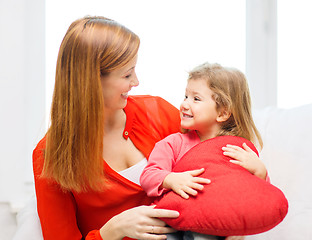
{"type": "Point", "coordinates": [244, 156]}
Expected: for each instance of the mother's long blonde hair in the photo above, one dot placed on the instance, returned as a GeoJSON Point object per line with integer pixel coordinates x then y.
{"type": "Point", "coordinates": [92, 47]}
{"type": "Point", "coordinates": [231, 93]}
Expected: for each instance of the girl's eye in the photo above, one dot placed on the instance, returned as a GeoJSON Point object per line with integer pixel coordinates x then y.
{"type": "Point", "coordinates": [196, 99]}
{"type": "Point", "coordinates": [185, 97]}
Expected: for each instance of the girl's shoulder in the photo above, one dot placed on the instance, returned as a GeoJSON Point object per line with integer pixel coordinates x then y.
{"type": "Point", "coordinates": [188, 136]}
{"type": "Point", "coordinates": [181, 140]}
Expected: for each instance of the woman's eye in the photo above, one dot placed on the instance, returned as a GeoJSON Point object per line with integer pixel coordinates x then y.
{"type": "Point", "coordinates": [128, 76]}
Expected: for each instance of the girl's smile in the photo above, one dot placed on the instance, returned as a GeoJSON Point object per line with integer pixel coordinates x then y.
{"type": "Point", "coordinates": [198, 111]}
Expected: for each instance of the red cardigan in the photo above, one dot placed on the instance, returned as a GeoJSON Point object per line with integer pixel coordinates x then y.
{"type": "Point", "coordinates": [72, 215]}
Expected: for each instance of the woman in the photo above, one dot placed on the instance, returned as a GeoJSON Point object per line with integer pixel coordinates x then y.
{"type": "Point", "coordinates": [80, 195]}
{"type": "Point", "coordinates": [88, 165]}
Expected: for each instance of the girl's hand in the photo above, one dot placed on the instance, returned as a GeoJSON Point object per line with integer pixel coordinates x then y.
{"type": "Point", "coordinates": [246, 158]}
{"type": "Point", "coordinates": [185, 183]}
{"type": "Point", "coordinates": [235, 238]}
{"type": "Point", "coordinates": [139, 223]}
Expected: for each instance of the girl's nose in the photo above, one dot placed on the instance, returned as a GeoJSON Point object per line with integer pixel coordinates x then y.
{"type": "Point", "coordinates": [184, 105]}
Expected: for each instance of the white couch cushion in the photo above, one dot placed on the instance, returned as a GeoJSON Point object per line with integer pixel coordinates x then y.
{"type": "Point", "coordinates": [287, 148]}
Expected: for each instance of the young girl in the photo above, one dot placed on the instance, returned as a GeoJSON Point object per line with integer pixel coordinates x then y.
{"type": "Point", "coordinates": [217, 102]}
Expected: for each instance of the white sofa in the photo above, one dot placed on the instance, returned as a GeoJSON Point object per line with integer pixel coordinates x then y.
{"type": "Point", "coordinates": [286, 153]}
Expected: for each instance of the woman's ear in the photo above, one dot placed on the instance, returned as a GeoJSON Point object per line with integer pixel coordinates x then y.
{"type": "Point", "coordinates": [223, 115]}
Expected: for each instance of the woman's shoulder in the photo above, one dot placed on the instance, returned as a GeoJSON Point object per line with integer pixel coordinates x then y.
{"type": "Point", "coordinates": [148, 101]}
{"type": "Point", "coordinates": [152, 116]}
{"type": "Point", "coordinates": [153, 108]}
{"type": "Point", "coordinates": [38, 156]}
{"type": "Point", "coordinates": [39, 149]}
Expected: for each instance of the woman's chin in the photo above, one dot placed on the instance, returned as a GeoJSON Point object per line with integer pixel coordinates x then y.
{"type": "Point", "coordinates": [124, 103]}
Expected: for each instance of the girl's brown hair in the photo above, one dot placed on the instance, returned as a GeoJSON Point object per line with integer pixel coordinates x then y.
{"type": "Point", "coordinates": [231, 94]}
{"type": "Point", "coordinates": [92, 47]}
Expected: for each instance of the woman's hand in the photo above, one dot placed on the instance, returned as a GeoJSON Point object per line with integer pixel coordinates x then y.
{"type": "Point", "coordinates": [246, 158]}
{"type": "Point", "coordinates": [139, 223]}
{"type": "Point", "coordinates": [185, 183]}
{"type": "Point", "coordinates": [235, 238]}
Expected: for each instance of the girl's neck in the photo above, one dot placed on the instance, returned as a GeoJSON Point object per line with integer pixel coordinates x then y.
{"type": "Point", "coordinates": [205, 137]}
{"type": "Point", "coordinates": [208, 134]}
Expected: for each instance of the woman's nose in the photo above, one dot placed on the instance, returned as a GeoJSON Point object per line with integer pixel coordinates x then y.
{"type": "Point", "coordinates": [135, 81]}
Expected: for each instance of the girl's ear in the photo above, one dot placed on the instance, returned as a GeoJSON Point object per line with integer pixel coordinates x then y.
{"type": "Point", "coordinates": [223, 115]}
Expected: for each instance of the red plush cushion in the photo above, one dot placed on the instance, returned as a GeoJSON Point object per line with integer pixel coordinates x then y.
{"type": "Point", "coordinates": [235, 203]}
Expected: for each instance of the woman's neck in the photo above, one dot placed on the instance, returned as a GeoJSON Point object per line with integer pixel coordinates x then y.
{"type": "Point", "coordinates": [114, 120]}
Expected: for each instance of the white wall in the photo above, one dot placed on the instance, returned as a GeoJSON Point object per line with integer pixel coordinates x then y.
{"type": "Point", "coordinates": [22, 94]}
{"type": "Point", "coordinates": [261, 51]}
{"type": "Point", "coordinates": [22, 81]}
{"type": "Point", "coordinates": [176, 35]}
{"type": "Point", "coordinates": [294, 53]}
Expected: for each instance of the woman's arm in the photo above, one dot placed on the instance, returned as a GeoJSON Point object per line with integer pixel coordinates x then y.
{"type": "Point", "coordinates": [56, 208]}
{"type": "Point", "coordinates": [139, 223]}
{"type": "Point", "coordinates": [57, 212]}
{"type": "Point", "coordinates": [235, 238]}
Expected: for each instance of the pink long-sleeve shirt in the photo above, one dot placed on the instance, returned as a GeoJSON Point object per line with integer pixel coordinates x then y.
{"type": "Point", "coordinates": [163, 158]}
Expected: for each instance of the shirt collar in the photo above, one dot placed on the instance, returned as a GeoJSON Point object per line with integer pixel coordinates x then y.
{"type": "Point", "coordinates": [129, 119]}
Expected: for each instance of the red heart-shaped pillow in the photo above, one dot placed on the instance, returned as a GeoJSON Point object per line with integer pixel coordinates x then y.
{"type": "Point", "coordinates": [234, 203]}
